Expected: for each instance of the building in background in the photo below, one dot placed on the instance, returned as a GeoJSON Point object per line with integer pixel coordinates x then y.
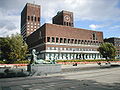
{"type": "Point", "coordinates": [30, 19]}
{"type": "Point", "coordinates": [116, 42]}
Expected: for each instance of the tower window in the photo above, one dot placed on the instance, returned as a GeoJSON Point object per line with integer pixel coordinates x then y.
{"type": "Point", "coordinates": [53, 39]}
{"type": "Point", "coordinates": [72, 40]}
{"type": "Point", "coordinates": [64, 23]}
{"type": "Point", "coordinates": [94, 36]}
{"type": "Point", "coordinates": [68, 40]}
{"type": "Point", "coordinates": [67, 23]}
{"type": "Point", "coordinates": [35, 19]}
{"type": "Point", "coordinates": [75, 41]}
{"type": "Point", "coordinates": [65, 40]}
{"type": "Point", "coordinates": [78, 41]}
{"type": "Point", "coordinates": [57, 40]}
{"type": "Point", "coordinates": [61, 40]}
{"type": "Point", "coordinates": [32, 18]}
{"type": "Point", "coordinates": [38, 18]}
{"type": "Point", "coordinates": [28, 18]}
{"type": "Point", "coordinates": [48, 39]}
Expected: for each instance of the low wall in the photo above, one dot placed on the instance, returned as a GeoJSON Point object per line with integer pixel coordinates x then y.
{"type": "Point", "coordinates": [39, 69]}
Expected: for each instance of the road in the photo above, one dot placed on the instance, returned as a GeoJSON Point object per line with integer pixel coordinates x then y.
{"type": "Point", "coordinates": [99, 79]}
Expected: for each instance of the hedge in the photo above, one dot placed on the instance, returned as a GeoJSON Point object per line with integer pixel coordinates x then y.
{"type": "Point", "coordinates": [22, 62]}
{"type": "Point", "coordinates": [2, 62]}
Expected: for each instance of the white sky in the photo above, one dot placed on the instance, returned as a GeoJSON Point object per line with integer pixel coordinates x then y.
{"type": "Point", "coordinates": [101, 15]}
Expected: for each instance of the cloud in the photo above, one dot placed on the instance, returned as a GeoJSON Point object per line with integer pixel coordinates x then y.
{"type": "Point", "coordinates": [115, 27]}
{"type": "Point", "coordinates": [96, 10]}
{"type": "Point", "coordinates": [93, 26]}
{"type": "Point", "coordinates": [98, 26]}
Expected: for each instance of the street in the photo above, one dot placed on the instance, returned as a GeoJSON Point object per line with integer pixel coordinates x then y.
{"type": "Point", "coordinates": [99, 79]}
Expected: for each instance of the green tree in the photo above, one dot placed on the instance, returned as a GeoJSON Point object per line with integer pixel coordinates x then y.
{"type": "Point", "coordinates": [5, 48]}
{"type": "Point", "coordinates": [13, 48]}
{"type": "Point", "coordinates": [107, 50]}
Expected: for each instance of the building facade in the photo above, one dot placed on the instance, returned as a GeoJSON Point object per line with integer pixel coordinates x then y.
{"type": "Point", "coordinates": [116, 42]}
{"type": "Point", "coordinates": [60, 40]}
{"type": "Point", "coordinates": [30, 19]}
{"type": "Point", "coordinates": [65, 43]}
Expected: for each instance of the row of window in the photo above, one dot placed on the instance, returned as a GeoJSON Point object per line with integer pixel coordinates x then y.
{"type": "Point", "coordinates": [68, 24]}
{"type": "Point", "coordinates": [70, 49]}
{"type": "Point", "coordinates": [33, 18]}
{"type": "Point", "coordinates": [117, 44]}
{"type": "Point", "coordinates": [117, 39]}
{"type": "Point", "coordinates": [33, 23]}
{"type": "Point", "coordinates": [33, 26]}
{"type": "Point", "coordinates": [73, 41]}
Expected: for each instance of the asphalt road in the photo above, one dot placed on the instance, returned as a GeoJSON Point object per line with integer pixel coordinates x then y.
{"type": "Point", "coordinates": [99, 79]}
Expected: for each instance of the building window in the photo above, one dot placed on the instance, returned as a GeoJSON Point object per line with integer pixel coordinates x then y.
{"type": "Point", "coordinates": [48, 39]}
{"type": "Point", "coordinates": [38, 18]}
{"type": "Point", "coordinates": [78, 41]}
{"type": "Point", "coordinates": [28, 18]}
{"type": "Point", "coordinates": [31, 18]}
{"type": "Point", "coordinates": [64, 23]}
{"type": "Point", "coordinates": [82, 41]}
{"type": "Point", "coordinates": [72, 40]}
{"type": "Point", "coordinates": [61, 40]}
{"type": "Point", "coordinates": [57, 39]}
{"type": "Point", "coordinates": [65, 40]}
{"type": "Point", "coordinates": [68, 40]}
{"type": "Point", "coordinates": [94, 36]}
{"type": "Point", "coordinates": [48, 48]}
{"type": "Point", "coordinates": [75, 41]}
{"type": "Point", "coordinates": [85, 42]}
{"type": "Point", "coordinates": [67, 24]}
{"type": "Point", "coordinates": [53, 39]}
{"type": "Point", "coordinates": [35, 19]}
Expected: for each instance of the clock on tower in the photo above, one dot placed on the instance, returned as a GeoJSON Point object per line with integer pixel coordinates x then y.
{"type": "Point", "coordinates": [67, 18]}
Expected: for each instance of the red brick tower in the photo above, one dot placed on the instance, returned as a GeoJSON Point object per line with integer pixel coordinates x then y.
{"type": "Point", "coordinates": [30, 19]}
{"type": "Point", "coordinates": [63, 18]}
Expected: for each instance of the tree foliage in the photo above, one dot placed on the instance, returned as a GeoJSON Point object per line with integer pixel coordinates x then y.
{"type": "Point", "coordinates": [107, 50]}
{"type": "Point", "coordinates": [13, 48]}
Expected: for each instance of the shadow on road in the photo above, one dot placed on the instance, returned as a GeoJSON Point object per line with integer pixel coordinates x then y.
{"type": "Point", "coordinates": [54, 83]}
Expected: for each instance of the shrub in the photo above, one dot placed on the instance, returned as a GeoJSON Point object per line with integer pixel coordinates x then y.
{"type": "Point", "coordinates": [2, 62]}
{"type": "Point", "coordinates": [22, 62]}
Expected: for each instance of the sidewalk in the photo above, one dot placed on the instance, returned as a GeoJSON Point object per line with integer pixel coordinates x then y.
{"type": "Point", "coordinates": [85, 65]}
{"type": "Point", "coordinates": [79, 66]}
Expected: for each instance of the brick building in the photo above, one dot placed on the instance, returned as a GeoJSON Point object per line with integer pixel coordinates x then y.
{"type": "Point", "coordinates": [116, 42]}
{"type": "Point", "coordinates": [61, 41]}
{"type": "Point", "coordinates": [30, 19]}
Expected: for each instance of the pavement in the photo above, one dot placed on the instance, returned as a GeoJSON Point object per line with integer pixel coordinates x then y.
{"type": "Point", "coordinates": [97, 79]}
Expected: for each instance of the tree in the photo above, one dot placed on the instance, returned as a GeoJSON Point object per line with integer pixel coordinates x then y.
{"type": "Point", "coordinates": [5, 48]}
{"type": "Point", "coordinates": [13, 48]}
{"type": "Point", "coordinates": [107, 50]}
